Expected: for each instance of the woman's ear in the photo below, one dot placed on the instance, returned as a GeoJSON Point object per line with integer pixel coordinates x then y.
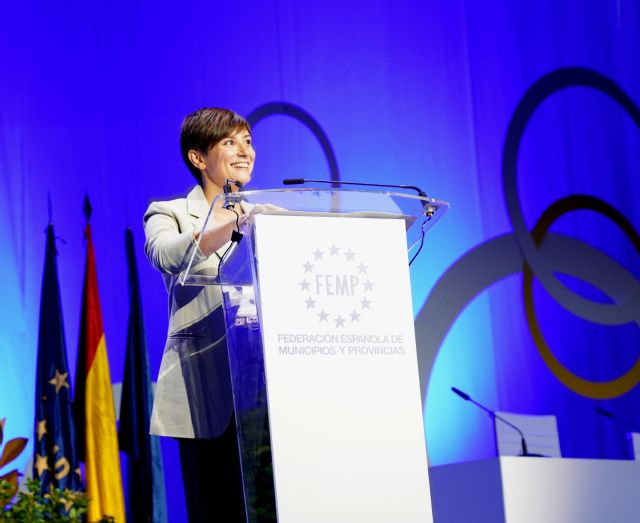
{"type": "Point", "coordinates": [197, 159]}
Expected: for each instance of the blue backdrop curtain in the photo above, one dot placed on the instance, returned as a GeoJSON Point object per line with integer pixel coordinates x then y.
{"type": "Point", "coordinates": [91, 99]}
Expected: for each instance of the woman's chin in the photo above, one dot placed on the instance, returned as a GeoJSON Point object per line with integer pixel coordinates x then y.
{"type": "Point", "coordinates": [243, 178]}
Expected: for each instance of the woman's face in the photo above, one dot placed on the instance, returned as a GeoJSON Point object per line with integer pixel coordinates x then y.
{"type": "Point", "coordinates": [230, 159]}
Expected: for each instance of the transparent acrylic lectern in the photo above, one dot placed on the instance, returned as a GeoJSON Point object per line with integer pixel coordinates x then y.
{"type": "Point", "coordinates": [239, 278]}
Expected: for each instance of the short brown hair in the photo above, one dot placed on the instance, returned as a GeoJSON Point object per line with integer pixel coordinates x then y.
{"type": "Point", "coordinates": [204, 128]}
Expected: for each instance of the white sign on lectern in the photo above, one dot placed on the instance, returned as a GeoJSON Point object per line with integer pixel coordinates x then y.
{"type": "Point", "coordinates": [345, 415]}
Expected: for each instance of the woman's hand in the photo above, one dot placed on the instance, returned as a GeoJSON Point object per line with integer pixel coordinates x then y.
{"type": "Point", "coordinates": [223, 222]}
{"type": "Point", "coordinates": [218, 232]}
{"type": "Point", "coordinates": [257, 209]}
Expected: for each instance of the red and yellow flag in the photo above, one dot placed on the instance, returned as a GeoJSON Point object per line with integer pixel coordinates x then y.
{"type": "Point", "coordinates": [94, 404]}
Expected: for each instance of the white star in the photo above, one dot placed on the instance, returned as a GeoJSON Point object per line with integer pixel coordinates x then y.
{"type": "Point", "coordinates": [349, 254]}
{"type": "Point", "coordinates": [339, 321]}
{"type": "Point", "coordinates": [317, 254]}
{"type": "Point", "coordinates": [362, 268]}
{"type": "Point", "coordinates": [311, 303]}
{"type": "Point", "coordinates": [323, 315]}
{"type": "Point", "coordinates": [355, 317]}
{"type": "Point", "coordinates": [333, 250]}
{"type": "Point", "coordinates": [307, 267]}
{"type": "Point", "coordinates": [304, 285]}
{"type": "Point", "coordinates": [365, 303]}
{"type": "Point", "coordinates": [368, 286]}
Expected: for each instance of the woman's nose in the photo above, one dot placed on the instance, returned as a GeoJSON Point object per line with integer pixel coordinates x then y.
{"type": "Point", "coordinates": [243, 149]}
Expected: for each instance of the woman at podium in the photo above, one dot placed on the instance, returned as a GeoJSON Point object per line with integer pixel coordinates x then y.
{"type": "Point", "coordinates": [193, 399]}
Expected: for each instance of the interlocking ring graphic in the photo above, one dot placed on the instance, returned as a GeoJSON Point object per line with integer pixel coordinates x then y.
{"type": "Point", "coordinates": [615, 313]}
{"type": "Point", "coordinates": [609, 314]}
{"type": "Point", "coordinates": [524, 251]}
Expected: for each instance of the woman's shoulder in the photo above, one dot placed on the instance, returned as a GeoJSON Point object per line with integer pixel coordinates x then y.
{"type": "Point", "coordinates": [168, 207]}
{"type": "Point", "coordinates": [175, 206]}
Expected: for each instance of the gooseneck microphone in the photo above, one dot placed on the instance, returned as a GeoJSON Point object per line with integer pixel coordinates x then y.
{"type": "Point", "coordinates": [226, 189]}
{"type": "Point", "coordinates": [236, 235]}
{"type": "Point", "coordinates": [603, 412]}
{"type": "Point", "coordinates": [627, 424]}
{"type": "Point", "coordinates": [301, 181]}
{"type": "Point", "coordinates": [493, 415]}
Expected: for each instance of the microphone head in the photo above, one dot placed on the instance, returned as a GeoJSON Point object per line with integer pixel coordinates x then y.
{"type": "Point", "coordinates": [293, 181]}
{"type": "Point", "coordinates": [603, 412]}
{"type": "Point", "coordinates": [463, 395]}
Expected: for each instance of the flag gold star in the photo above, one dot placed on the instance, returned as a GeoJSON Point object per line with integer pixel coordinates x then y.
{"type": "Point", "coordinates": [41, 464]}
{"type": "Point", "coordinates": [41, 430]}
{"type": "Point", "coordinates": [59, 380]}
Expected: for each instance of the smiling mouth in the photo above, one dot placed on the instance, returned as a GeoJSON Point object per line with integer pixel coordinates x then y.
{"type": "Point", "coordinates": [240, 165]}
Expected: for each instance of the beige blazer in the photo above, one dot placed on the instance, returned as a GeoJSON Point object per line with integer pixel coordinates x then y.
{"type": "Point", "coordinates": [193, 393]}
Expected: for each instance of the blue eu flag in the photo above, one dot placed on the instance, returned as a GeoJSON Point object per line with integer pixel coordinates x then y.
{"type": "Point", "coordinates": [55, 458]}
{"type": "Point", "coordinates": [145, 474]}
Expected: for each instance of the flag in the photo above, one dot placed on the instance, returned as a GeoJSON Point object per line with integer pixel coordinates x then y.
{"type": "Point", "coordinates": [55, 458]}
{"type": "Point", "coordinates": [98, 442]}
{"type": "Point", "coordinates": [145, 475]}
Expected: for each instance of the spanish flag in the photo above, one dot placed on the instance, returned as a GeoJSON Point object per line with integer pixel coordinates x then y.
{"type": "Point", "coordinates": [98, 443]}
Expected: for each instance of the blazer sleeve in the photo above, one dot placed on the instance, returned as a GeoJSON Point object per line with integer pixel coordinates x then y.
{"type": "Point", "coordinates": [168, 248]}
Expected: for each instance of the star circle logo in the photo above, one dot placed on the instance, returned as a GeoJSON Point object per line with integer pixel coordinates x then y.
{"type": "Point", "coordinates": [335, 286]}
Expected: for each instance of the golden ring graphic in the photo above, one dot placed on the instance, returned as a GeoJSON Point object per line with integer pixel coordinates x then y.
{"type": "Point", "coordinates": [618, 312]}
{"type": "Point", "coordinates": [591, 389]}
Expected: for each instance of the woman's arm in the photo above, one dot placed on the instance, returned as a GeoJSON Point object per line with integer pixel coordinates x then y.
{"type": "Point", "coordinates": [169, 248]}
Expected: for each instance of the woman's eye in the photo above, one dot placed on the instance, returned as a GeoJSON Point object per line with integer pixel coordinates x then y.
{"type": "Point", "coordinates": [228, 142]}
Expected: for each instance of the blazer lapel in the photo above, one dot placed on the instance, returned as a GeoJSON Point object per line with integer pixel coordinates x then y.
{"type": "Point", "coordinates": [197, 206]}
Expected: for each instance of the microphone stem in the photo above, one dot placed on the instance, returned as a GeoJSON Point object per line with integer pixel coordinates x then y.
{"type": "Point", "coordinates": [368, 184]}
{"type": "Point", "coordinates": [523, 441]}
